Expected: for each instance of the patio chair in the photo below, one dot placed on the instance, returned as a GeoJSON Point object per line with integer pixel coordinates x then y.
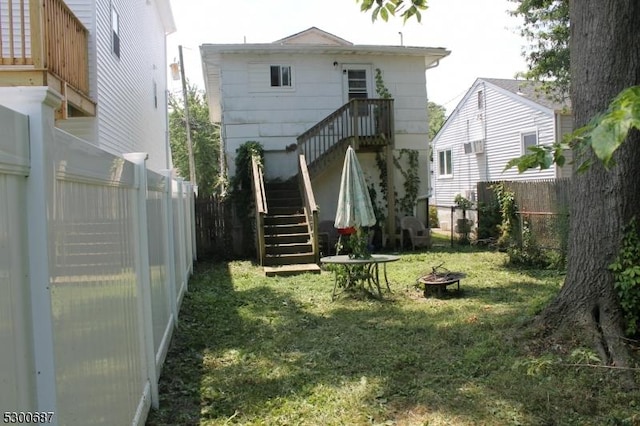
{"type": "Point", "coordinates": [418, 235]}
{"type": "Point", "coordinates": [327, 237]}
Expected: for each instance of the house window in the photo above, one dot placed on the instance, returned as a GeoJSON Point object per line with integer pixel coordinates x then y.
{"type": "Point", "coordinates": [445, 167]}
{"type": "Point", "coordinates": [480, 100]}
{"type": "Point", "coordinates": [529, 139]}
{"type": "Point", "coordinates": [280, 76]}
{"type": "Point", "coordinates": [115, 32]}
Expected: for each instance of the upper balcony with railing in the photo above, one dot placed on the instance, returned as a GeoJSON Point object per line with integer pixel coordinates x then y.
{"type": "Point", "coordinates": [42, 43]}
{"type": "Point", "coordinates": [362, 123]}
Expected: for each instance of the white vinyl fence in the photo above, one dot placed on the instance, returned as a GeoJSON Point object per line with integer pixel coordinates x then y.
{"type": "Point", "coordinates": [95, 255]}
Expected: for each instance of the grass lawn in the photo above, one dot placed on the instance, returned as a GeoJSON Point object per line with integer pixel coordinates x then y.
{"type": "Point", "coordinates": [277, 351]}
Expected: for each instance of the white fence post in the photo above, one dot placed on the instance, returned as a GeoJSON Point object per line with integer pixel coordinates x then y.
{"type": "Point", "coordinates": [192, 213]}
{"type": "Point", "coordinates": [142, 266]}
{"type": "Point", "coordinates": [39, 104]}
{"type": "Point", "coordinates": [170, 244]}
{"type": "Point", "coordinates": [181, 237]}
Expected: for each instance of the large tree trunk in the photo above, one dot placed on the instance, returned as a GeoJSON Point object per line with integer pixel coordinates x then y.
{"type": "Point", "coordinates": [605, 58]}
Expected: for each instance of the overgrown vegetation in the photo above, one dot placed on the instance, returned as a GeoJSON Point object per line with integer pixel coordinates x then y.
{"type": "Point", "coordinates": [463, 226]}
{"type": "Point", "coordinates": [205, 138]}
{"type": "Point", "coordinates": [626, 269]}
{"type": "Point", "coordinates": [546, 28]}
{"type": "Point", "coordinates": [411, 181]}
{"type": "Point", "coordinates": [241, 189]}
{"type": "Point", "coordinates": [489, 220]}
{"type": "Point", "coordinates": [434, 222]}
{"type": "Point", "coordinates": [253, 350]}
{"type": "Point", "coordinates": [508, 212]}
{"type": "Point", "coordinates": [381, 88]}
{"type": "Point", "coordinates": [516, 237]}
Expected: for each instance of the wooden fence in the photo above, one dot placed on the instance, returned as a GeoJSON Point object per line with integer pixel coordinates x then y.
{"type": "Point", "coordinates": [214, 227]}
{"type": "Point", "coordinates": [544, 195]}
{"type": "Point", "coordinates": [543, 205]}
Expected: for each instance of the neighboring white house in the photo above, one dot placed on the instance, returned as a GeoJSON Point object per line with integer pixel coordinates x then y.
{"type": "Point", "coordinates": [494, 122]}
{"type": "Point", "coordinates": [111, 70]}
{"type": "Point", "coordinates": [274, 92]}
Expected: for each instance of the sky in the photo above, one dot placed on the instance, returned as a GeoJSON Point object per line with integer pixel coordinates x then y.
{"type": "Point", "coordinates": [483, 39]}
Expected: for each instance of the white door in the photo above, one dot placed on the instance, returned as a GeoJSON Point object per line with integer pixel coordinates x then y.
{"type": "Point", "coordinates": [357, 84]}
{"type": "Point", "coordinates": [356, 81]}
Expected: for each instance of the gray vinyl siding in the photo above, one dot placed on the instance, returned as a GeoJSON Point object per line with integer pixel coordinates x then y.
{"type": "Point", "coordinates": [127, 119]}
{"type": "Point", "coordinates": [501, 123]}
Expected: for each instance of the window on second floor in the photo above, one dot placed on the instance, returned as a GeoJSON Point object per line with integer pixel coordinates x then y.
{"type": "Point", "coordinates": [115, 32]}
{"type": "Point", "coordinates": [528, 139]}
{"type": "Point", "coordinates": [445, 164]}
{"type": "Point", "coordinates": [280, 76]}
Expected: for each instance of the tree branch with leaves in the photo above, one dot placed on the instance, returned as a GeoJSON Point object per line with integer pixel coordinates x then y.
{"type": "Point", "coordinates": [385, 9]}
{"type": "Point", "coordinates": [205, 137]}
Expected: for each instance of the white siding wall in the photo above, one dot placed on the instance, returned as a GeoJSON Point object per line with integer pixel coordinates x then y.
{"type": "Point", "coordinates": [276, 116]}
{"type": "Point", "coordinates": [501, 121]}
{"type": "Point", "coordinates": [127, 117]}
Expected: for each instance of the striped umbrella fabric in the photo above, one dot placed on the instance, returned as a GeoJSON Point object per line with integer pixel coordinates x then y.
{"type": "Point", "coordinates": [354, 204]}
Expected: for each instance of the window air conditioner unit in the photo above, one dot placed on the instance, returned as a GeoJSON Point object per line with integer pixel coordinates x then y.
{"type": "Point", "coordinates": [478, 146]}
{"type": "Point", "coordinates": [474, 147]}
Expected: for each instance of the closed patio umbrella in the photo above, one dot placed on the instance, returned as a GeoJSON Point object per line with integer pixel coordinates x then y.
{"type": "Point", "coordinates": [354, 204]}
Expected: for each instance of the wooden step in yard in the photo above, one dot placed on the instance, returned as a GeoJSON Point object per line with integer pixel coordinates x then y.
{"type": "Point", "coordinates": [283, 270]}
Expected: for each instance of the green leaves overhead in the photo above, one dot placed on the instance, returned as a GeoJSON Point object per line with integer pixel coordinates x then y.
{"type": "Point", "coordinates": [205, 137]}
{"type": "Point", "coordinates": [546, 28]}
{"type": "Point", "coordinates": [604, 135]}
{"type": "Point", "coordinates": [611, 129]}
{"type": "Point", "coordinates": [387, 8]}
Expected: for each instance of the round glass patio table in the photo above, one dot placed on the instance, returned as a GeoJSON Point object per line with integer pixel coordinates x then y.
{"type": "Point", "coordinates": [360, 271]}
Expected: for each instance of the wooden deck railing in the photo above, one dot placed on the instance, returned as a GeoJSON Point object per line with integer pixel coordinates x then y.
{"type": "Point", "coordinates": [369, 120]}
{"type": "Point", "coordinates": [310, 206]}
{"type": "Point", "coordinates": [45, 35]}
{"type": "Point", "coordinates": [260, 198]}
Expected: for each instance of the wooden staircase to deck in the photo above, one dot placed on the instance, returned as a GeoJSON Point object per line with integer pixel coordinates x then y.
{"type": "Point", "coordinates": [287, 235]}
{"type": "Point", "coordinates": [366, 124]}
{"type": "Point", "coordinates": [286, 212]}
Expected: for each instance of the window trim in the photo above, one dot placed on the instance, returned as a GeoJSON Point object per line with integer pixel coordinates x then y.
{"type": "Point", "coordinates": [442, 163]}
{"type": "Point", "coordinates": [523, 134]}
{"type": "Point", "coordinates": [115, 32]}
{"type": "Point", "coordinates": [280, 85]}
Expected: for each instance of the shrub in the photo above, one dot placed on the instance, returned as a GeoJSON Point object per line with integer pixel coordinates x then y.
{"type": "Point", "coordinates": [528, 253]}
{"type": "Point", "coordinates": [626, 271]}
{"type": "Point", "coordinates": [489, 219]}
{"type": "Point", "coordinates": [434, 222]}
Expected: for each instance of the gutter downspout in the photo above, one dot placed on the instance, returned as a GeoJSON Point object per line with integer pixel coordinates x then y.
{"type": "Point", "coordinates": [429, 174]}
